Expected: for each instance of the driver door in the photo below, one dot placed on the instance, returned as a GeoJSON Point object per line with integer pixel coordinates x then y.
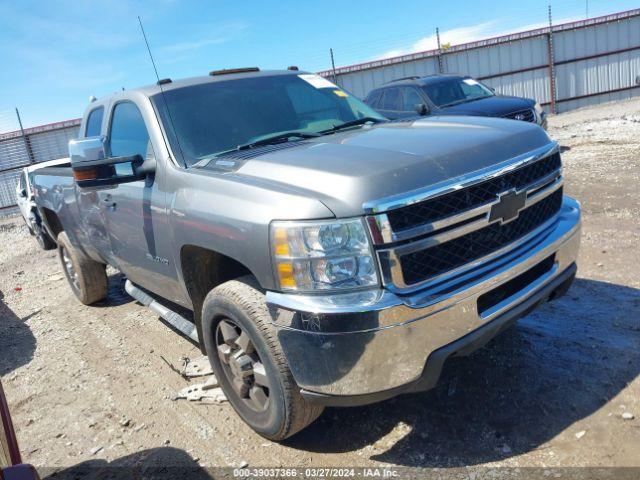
{"type": "Point", "coordinates": [135, 212]}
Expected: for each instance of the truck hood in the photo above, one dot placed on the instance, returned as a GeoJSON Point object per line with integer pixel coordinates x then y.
{"type": "Point", "coordinates": [347, 169]}
{"type": "Point", "coordinates": [494, 106]}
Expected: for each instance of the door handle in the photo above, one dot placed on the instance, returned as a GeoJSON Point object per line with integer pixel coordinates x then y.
{"type": "Point", "coordinates": [108, 202]}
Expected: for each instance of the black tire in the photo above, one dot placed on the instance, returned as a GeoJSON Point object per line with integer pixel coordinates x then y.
{"type": "Point", "coordinates": [242, 304]}
{"type": "Point", "coordinates": [87, 278]}
{"type": "Point", "coordinates": [43, 238]}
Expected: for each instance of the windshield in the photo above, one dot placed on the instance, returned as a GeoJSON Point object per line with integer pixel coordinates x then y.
{"type": "Point", "coordinates": [452, 91]}
{"type": "Point", "coordinates": [216, 117]}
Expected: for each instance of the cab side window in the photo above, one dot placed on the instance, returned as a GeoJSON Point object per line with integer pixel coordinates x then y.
{"type": "Point", "coordinates": [94, 122]}
{"type": "Point", "coordinates": [128, 135]}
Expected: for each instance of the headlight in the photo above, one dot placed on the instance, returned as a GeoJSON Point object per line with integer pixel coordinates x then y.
{"type": "Point", "coordinates": [538, 109]}
{"type": "Point", "coordinates": [322, 255]}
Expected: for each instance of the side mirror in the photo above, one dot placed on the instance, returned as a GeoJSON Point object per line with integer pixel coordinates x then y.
{"type": "Point", "coordinates": [23, 193]}
{"type": "Point", "coordinates": [422, 109]}
{"type": "Point", "coordinates": [92, 168]}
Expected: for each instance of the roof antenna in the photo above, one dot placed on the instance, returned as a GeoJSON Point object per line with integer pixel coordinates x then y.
{"type": "Point", "coordinates": [160, 84]}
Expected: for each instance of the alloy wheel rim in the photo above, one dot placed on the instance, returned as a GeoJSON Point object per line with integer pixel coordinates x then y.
{"type": "Point", "coordinates": [242, 365]}
{"type": "Point", "coordinates": [68, 266]}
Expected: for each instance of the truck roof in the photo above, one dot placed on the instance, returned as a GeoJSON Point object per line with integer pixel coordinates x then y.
{"type": "Point", "coordinates": [153, 89]}
{"type": "Point", "coordinates": [426, 80]}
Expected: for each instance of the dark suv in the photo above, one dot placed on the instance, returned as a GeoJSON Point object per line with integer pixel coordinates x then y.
{"type": "Point", "coordinates": [450, 95]}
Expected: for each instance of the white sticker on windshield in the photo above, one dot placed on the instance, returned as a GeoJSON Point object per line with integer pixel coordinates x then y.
{"type": "Point", "coordinates": [317, 81]}
{"type": "Point", "coordinates": [470, 81]}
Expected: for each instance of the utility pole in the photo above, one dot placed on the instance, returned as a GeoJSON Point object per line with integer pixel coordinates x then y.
{"type": "Point", "coordinates": [333, 67]}
{"type": "Point", "coordinates": [440, 66]}
{"type": "Point", "coordinates": [552, 73]}
{"type": "Point", "coordinates": [27, 143]}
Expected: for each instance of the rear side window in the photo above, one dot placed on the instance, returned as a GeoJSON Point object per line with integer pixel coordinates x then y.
{"type": "Point", "coordinates": [410, 99]}
{"type": "Point", "coordinates": [94, 122]}
{"type": "Point", "coordinates": [128, 134]}
{"type": "Point", "coordinates": [390, 99]}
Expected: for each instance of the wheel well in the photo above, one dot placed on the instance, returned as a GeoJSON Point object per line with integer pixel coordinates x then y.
{"type": "Point", "coordinates": [52, 221]}
{"type": "Point", "coordinates": [203, 270]}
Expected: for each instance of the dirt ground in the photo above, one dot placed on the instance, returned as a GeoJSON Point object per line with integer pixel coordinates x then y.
{"type": "Point", "coordinates": [89, 385]}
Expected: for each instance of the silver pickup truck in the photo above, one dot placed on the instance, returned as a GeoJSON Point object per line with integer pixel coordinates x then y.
{"type": "Point", "coordinates": [328, 256]}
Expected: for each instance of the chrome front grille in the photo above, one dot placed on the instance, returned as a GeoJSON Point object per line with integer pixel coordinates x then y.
{"type": "Point", "coordinates": [432, 237]}
{"type": "Point", "coordinates": [527, 115]}
{"type": "Point", "coordinates": [439, 259]}
{"type": "Point", "coordinates": [413, 216]}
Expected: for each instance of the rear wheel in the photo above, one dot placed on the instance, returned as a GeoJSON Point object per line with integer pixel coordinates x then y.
{"type": "Point", "coordinates": [87, 278]}
{"type": "Point", "coordinates": [248, 362]}
{"type": "Point", "coordinates": [43, 238]}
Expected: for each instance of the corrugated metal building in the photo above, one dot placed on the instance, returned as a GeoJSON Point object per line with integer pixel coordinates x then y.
{"type": "Point", "coordinates": [595, 60]}
{"type": "Point", "coordinates": [21, 148]}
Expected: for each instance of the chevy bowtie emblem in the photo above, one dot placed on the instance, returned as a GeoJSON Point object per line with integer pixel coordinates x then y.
{"type": "Point", "coordinates": [519, 116]}
{"type": "Point", "coordinates": [508, 207]}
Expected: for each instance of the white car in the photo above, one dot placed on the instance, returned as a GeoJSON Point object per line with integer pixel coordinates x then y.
{"type": "Point", "coordinates": [27, 205]}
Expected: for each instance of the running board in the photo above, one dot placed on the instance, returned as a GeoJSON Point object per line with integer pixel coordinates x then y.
{"type": "Point", "coordinates": [176, 320]}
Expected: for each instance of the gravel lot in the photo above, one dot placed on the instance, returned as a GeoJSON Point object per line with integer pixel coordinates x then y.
{"type": "Point", "coordinates": [88, 386]}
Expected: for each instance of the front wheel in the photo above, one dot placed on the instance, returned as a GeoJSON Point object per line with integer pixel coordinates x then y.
{"type": "Point", "coordinates": [249, 364]}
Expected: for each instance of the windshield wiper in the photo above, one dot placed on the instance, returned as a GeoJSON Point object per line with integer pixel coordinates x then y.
{"type": "Point", "coordinates": [276, 138]}
{"type": "Point", "coordinates": [353, 123]}
{"type": "Point", "coordinates": [463, 100]}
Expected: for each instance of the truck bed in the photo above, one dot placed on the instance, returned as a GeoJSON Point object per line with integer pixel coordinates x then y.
{"type": "Point", "coordinates": [63, 170]}
{"type": "Point", "coordinates": [51, 184]}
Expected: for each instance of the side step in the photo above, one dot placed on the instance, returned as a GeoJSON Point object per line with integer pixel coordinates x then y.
{"type": "Point", "coordinates": [175, 319]}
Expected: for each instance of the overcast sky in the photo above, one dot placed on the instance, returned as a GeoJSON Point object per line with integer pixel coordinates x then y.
{"type": "Point", "coordinates": [55, 54]}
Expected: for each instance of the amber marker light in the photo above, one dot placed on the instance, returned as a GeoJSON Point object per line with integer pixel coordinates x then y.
{"type": "Point", "coordinates": [89, 174]}
{"type": "Point", "coordinates": [281, 242]}
{"type": "Point", "coordinates": [285, 275]}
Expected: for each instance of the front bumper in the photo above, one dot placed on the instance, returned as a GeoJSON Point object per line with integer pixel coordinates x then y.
{"type": "Point", "coordinates": [542, 120]}
{"type": "Point", "coordinates": [358, 348]}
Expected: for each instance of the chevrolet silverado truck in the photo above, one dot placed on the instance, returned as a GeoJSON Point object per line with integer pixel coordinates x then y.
{"type": "Point", "coordinates": [327, 256]}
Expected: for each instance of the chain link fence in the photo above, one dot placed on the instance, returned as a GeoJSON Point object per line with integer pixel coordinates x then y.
{"type": "Point", "coordinates": [20, 147]}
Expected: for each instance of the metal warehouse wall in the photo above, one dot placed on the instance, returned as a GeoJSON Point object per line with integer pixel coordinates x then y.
{"type": "Point", "coordinates": [21, 148]}
{"type": "Point", "coordinates": [595, 60]}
